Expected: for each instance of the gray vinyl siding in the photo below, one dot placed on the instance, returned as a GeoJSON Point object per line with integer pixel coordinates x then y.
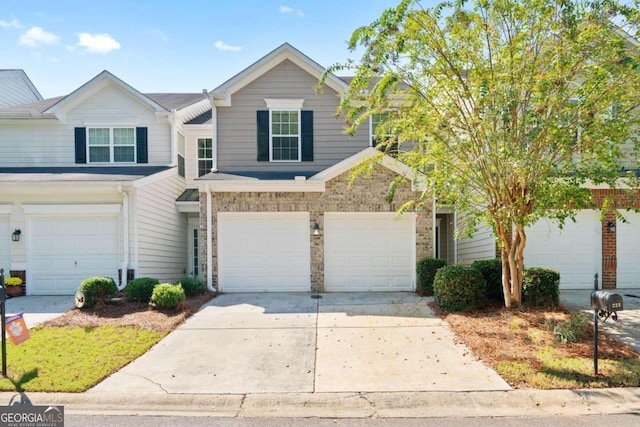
{"type": "Point", "coordinates": [161, 230]}
{"type": "Point", "coordinates": [39, 142]}
{"type": "Point", "coordinates": [481, 246]}
{"type": "Point", "coordinates": [237, 146]}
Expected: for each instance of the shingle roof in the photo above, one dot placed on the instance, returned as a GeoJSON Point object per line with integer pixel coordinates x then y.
{"type": "Point", "coordinates": [38, 106]}
{"type": "Point", "coordinates": [78, 173]}
{"type": "Point", "coordinates": [189, 195]}
{"type": "Point", "coordinates": [204, 118]}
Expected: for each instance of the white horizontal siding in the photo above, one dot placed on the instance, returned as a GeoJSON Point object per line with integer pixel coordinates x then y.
{"type": "Point", "coordinates": [481, 246]}
{"type": "Point", "coordinates": [51, 143]}
{"type": "Point", "coordinates": [237, 140]}
{"type": "Point", "coordinates": [161, 231]}
{"type": "Point", "coordinates": [15, 89]}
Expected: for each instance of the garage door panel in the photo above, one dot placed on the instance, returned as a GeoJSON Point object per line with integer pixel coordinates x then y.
{"type": "Point", "coordinates": [628, 250]}
{"type": "Point", "coordinates": [64, 250]}
{"type": "Point", "coordinates": [264, 252]}
{"type": "Point", "coordinates": [574, 251]}
{"type": "Point", "coordinates": [369, 252]}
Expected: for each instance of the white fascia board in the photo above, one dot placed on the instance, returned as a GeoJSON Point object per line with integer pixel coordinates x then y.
{"type": "Point", "coordinates": [138, 183]}
{"type": "Point", "coordinates": [345, 165]}
{"type": "Point", "coordinates": [194, 110]}
{"type": "Point", "coordinates": [63, 187]}
{"type": "Point", "coordinates": [75, 209]}
{"type": "Point", "coordinates": [271, 186]}
{"type": "Point", "coordinates": [6, 209]}
{"type": "Point", "coordinates": [188, 207]}
{"type": "Point", "coordinates": [221, 96]}
{"type": "Point", "coordinates": [92, 87]}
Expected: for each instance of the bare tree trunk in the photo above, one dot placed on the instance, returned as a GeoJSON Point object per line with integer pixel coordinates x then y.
{"type": "Point", "coordinates": [513, 245]}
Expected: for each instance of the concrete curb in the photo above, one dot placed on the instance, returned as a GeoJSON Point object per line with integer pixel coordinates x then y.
{"type": "Point", "coordinates": [346, 405]}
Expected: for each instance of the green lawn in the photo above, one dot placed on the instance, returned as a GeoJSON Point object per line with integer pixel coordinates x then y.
{"type": "Point", "coordinates": [73, 359]}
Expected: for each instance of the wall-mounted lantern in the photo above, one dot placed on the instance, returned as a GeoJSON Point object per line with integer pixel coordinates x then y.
{"type": "Point", "coordinates": [15, 236]}
{"type": "Point", "coordinates": [316, 229]}
{"type": "Point", "coordinates": [612, 226]}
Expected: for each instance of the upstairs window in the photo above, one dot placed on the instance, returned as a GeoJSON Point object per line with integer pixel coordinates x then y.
{"type": "Point", "coordinates": [381, 136]}
{"type": "Point", "coordinates": [205, 156]}
{"type": "Point", "coordinates": [111, 145]}
{"type": "Point", "coordinates": [181, 155]}
{"type": "Point", "coordinates": [285, 136]}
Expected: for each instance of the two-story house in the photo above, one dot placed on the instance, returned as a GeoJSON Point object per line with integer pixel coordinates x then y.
{"type": "Point", "coordinates": [247, 186]}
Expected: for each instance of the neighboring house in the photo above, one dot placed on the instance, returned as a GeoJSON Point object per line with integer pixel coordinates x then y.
{"type": "Point", "coordinates": [16, 88]}
{"type": "Point", "coordinates": [247, 187]}
{"type": "Point", "coordinates": [90, 181]}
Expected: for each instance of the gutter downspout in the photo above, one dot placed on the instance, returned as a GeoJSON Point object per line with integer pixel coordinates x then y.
{"type": "Point", "coordinates": [125, 237]}
{"type": "Point", "coordinates": [214, 134]}
{"type": "Point", "coordinates": [209, 242]}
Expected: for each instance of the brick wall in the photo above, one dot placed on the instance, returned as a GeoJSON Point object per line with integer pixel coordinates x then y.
{"type": "Point", "coordinates": [366, 194]}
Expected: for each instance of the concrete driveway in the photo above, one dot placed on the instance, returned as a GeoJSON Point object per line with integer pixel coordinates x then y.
{"type": "Point", "coordinates": [296, 343]}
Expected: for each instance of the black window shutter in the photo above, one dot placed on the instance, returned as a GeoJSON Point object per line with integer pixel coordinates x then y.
{"type": "Point", "coordinates": [307, 136]}
{"type": "Point", "coordinates": [142, 149]}
{"type": "Point", "coordinates": [81, 145]}
{"type": "Point", "coordinates": [263, 135]}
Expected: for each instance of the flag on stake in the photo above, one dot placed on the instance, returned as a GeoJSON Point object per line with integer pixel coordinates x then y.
{"type": "Point", "coordinates": [16, 328]}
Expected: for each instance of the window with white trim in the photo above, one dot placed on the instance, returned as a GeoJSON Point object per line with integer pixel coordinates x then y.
{"type": "Point", "coordinates": [205, 156]}
{"type": "Point", "coordinates": [111, 145]}
{"type": "Point", "coordinates": [181, 155]}
{"type": "Point", "coordinates": [382, 136]}
{"type": "Point", "coordinates": [285, 135]}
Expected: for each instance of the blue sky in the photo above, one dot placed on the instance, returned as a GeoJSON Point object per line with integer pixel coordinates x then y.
{"type": "Point", "coordinates": [161, 46]}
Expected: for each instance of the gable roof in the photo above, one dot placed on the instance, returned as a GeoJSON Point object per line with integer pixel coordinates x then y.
{"type": "Point", "coordinates": [93, 86]}
{"type": "Point", "coordinates": [16, 88]}
{"type": "Point", "coordinates": [221, 96]}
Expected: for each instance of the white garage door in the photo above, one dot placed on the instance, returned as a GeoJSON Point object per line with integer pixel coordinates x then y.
{"type": "Point", "coordinates": [264, 252]}
{"type": "Point", "coordinates": [369, 252]}
{"type": "Point", "coordinates": [628, 249]}
{"type": "Point", "coordinates": [575, 251]}
{"type": "Point", "coordinates": [65, 250]}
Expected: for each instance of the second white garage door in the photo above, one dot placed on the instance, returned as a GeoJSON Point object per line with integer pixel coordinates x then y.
{"type": "Point", "coordinates": [65, 250]}
{"type": "Point", "coordinates": [369, 252]}
{"type": "Point", "coordinates": [628, 251]}
{"type": "Point", "coordinates": [264, 252]}
{"type": "Point", "coordinates": [575, 251]}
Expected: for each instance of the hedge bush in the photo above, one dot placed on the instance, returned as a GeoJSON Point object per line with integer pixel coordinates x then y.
{"type": "Point", "coordinates": [97, 289]}
{"type": "Point", "coordinates": [457, 288]}
{"type": "Point", "coordinates": [540, 287]}
{"type": "Point", "coordinates": [191, 285]}
{"type": "Point", "coordinates": [426, 271]}
{"type": "Point", "coordinates": [491, 270]}
{"type": "Point", "coordinates": [140, 289]}
{"type": "Point", "coordinates": [167, 295]}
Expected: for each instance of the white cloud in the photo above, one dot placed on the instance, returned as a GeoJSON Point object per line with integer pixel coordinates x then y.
{"type": "Point", "coordinates": [36, 36]}
{"type": "Point", "coordinates": [11, 24]}
{"type": "Point", "coordinates": [96, 43]}
{"type": "Point", "coordinates": [223, 46]}
{"type": "Point", "coordinates": [287, 10]}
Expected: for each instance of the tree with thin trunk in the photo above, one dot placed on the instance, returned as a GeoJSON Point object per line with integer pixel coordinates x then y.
{"type": "Point", "coordinates": [509, 110]}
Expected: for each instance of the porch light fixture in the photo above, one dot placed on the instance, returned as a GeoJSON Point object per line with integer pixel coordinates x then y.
{"type": "Point", "coordinates": [612, 226]}
{"type": "Point", "coordinates": [15, 236]}
{"type": "Point", "coordinates": [316, 229]}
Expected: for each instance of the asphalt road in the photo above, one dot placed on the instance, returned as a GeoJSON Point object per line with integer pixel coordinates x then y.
{"type": "Point", "coordinates": [618, 420]}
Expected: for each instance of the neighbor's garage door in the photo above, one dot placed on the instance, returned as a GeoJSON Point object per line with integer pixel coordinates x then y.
{"type": "Point", "coordinates": [369, 252]}
{"type": "Point", "coordinates": [575, 251]}
{"type": "Point", "coordinates": [628, 248]}
{"type": "Point", "coordinates": [65, 250]}
{"type": "Point", "coordinates": [264, 252]}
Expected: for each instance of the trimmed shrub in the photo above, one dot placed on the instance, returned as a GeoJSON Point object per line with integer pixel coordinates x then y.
{"type": "Point", "coordinates": [457, 288]}
{"type": "Point", "coordinates": [140, 289]}
{"type": "Point", "coordinates": [426, 271]}
{"type": "Point", "coordinates": [97, 289]}
{"type": "Point", "coordinates": [575, 329]}
{"type": "Point", "coordinates": [167, 295]}
{"type": "Point", "coordinates": [491, 270]}
{"type": "Point", "coordinates": [191, 285]}
{"type": "Point", "coordinates": [540, 287]}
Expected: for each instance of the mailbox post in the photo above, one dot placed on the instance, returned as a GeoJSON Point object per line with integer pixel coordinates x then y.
{"type": "Point", "coordinates": [605, 304]}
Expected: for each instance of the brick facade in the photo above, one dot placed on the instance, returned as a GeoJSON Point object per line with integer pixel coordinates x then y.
{"type": "Point", "coordinates": [366, 194]}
